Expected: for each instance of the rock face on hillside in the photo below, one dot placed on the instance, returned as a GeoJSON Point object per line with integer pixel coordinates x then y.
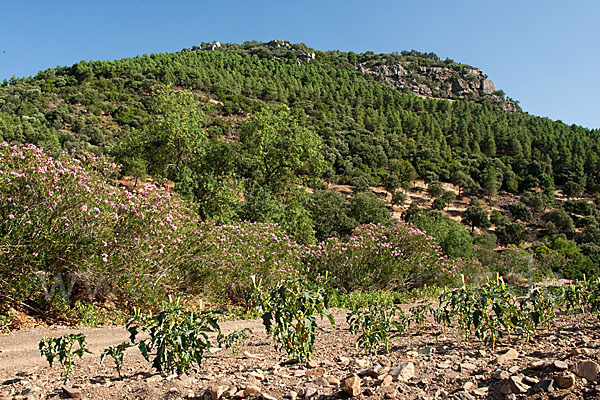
{"type": "Point", "coordinates": [440, 82]}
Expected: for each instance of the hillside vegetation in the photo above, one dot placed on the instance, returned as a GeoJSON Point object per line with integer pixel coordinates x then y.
{"type": "Point", "coordinates": [252, 136]}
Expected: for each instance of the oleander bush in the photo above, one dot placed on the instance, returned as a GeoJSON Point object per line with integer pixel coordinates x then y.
{"type": "Point", "coordinates": [378, 256]}
{"type": "Point", "coordinates": [67, 232]}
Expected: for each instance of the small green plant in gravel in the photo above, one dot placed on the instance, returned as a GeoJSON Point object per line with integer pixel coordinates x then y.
{"type": "Point", "coordinates": [234, 339]}
{"type": "Point", "coordinates": [417, 315]}
{"type": "Point", "coordinates": [495, 310]}
{"type": "Point", "coordinates": [488, 311]}
{"type": "Point", "coordinates": [582, 295]}
{"type": "Point", "coordinates": [117, 353]}
{"type": "Point", "coordinates": [178, 338]}
{"type": "Point", "coordinates": [376, 324]}
{"type": "Point", "coordinates": [288, 311]}
{"type": "Point", "coordinates": [61, 349]}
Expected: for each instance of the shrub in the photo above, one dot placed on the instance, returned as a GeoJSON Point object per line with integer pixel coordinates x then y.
{"type": "Point", "coordinates": [329, 213]}
{"type": "Point", "coordinates": [376, 256]}
{"type": "Point", "coordinates": [234, 253]}
{"type": "Point", "coordinates": [77, 232]}
{"type": "Point", "coordinates": [61, 349]}
{"type": "Point", "coordinates": [288, 311]}
{"type": "Point", "coordinates": [451, 235]}
{"type": "Point", "coordinates": [560, 219]}
{"type": "Point", "coordinates": [496, 217]}
{"type": "Point", "coordinates": [365, 207]}
{"type": "Point", "coordinates": [512, 233]}
{"type": "Point", "coordinates": [179, 338]}
{"type": "Point", "coordinates": [376, 324]}
{"type": "Point", "coordinates": [520, 211]}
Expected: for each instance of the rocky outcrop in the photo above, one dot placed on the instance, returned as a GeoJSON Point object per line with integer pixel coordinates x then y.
{"type": "Point", "coordinates": [211, 46]}
{"type": "Point", "coordinates": [445, 82]}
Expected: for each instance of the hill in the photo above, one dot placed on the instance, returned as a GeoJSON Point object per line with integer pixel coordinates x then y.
{"type": "Point", "coordinates": [258, 132]}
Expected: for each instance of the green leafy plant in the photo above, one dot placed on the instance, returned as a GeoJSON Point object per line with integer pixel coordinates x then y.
{"type": "Point", "coordinates": [534, 309]}
{"type": "Point", "coordinates": [288, 311]}
{"type": "Point", "coordinates": [418, 315]}
{"type": "Point", "coordinates": [178, 338]}
{"type": "Point", "coordinates": [494, 310]}
{"type": "Point", "coordinates": [376, 324]}
{"type": "Point", "coordinates": [576, 296]}
{"type": "Point", "coordinates": [117, 353]}
{"type": "Point", "coordinates": [61, 349]}
{"type": "Point", "coordinates": [234, 339]}
{"type": "Point", "coordinates": [5, 323]}
{"type": "Point", "coordinates": [487, 311]}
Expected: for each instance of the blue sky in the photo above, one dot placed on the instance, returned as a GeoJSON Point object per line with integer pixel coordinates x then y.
{"type": "Point", "coordinates": [543, 53]}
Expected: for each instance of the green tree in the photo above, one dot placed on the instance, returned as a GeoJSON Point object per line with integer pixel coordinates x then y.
{"type": "Point", "coordinates": [490, 181]}
{"type": "Point", "coordinates": [561, 220]}
{"type": "Point", "coordinates": [280, 152]}
{"type": "Point", "coordinates": [512, 233]}
{"type": "Point", "coordinates": [476, 217]}
{"type": "Point", "coordinates": [366, 207]}
{"type": "Point", "coordinates": [572, 189]}
{"type": "Point", "coordinates": [520, 211]}
{"type": "Point", "coordinates": [329, 212]}
{"type": "Point", "coordinates": [399, 197]}
{"type": "Point", "coordinates": [174, 139]}
{"type": "Point", "coordinates": [462, 180]}
{"type": "Point", "coordinates": [435, 189]}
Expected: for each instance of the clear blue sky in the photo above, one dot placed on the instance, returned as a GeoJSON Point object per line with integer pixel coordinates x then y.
{"type": "Point", "coordinates": [544, 53]}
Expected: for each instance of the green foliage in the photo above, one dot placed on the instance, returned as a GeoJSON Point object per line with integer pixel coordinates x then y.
{"type": "Point", "coordinates": [519, 211]}
{"type": "Point", "coordinates": [398, 257]}
{"type": "Point", "coordinates": [330, 215]}
{"type": "Point", "coordinates": [493, 311]}
{"type": "Point", "coordinates": [77, 233]}
{"type": "Point", "coordinates": [360, 299]}
{"type": "Point", "coordinates": [417, 315]}
{"type": "Point", "coordinates": [581, 207]}
{"type": "Point", "coordinates": [366, 208]}
{"type": "Point", "coordinates": [462, 180]}
{"type": "Point", "coordinates": [435, 189]}
{"type": "Point", "coordinates": [376, 324]}
{"type": "Point", "coordinates": [476, 217]}
{"type": "Point", "coordinates": [174, 138]}
{"type": "Point", "coordinates": [61, 349]}
{"type": "Point", "coordinates": [451, 235]}
{"type": "Point", "coordinates": [512, 233]}
{"type": "Point", "coordinates": [399, 197]}
{"type": "Point", "coordinates": [496, 217]}
{"type": "Point", "coordinates": [178, 338]}
{"type": "Point", "coordinates": [280, 152]}
{"type": "Point", "coordinates": [116, 352]}
{"type": "Point", "coordinates": [233, 253]}
{"type": "Point", "coordinates": [576, 265]}
{"type": "Point", "coordinates": [288, 311]}
{"type": "Point", "coordinates": [572, 189]}
{"type": "Point", "coordinates": [561, 220]}
{"type": "Point", "coordinates": [242, 131]}
{"type": "Point", "coordinates": [234, 339]}
{"type": "Point", "coordinates": [438, 204]}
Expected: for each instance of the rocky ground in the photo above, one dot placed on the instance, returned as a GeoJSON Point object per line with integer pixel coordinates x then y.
{"type": "Point", "coordinates": [559, 363]}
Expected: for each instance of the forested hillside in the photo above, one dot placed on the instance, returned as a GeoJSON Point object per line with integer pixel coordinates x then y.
{"type": "Point", "coordinates": [258, 132]}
